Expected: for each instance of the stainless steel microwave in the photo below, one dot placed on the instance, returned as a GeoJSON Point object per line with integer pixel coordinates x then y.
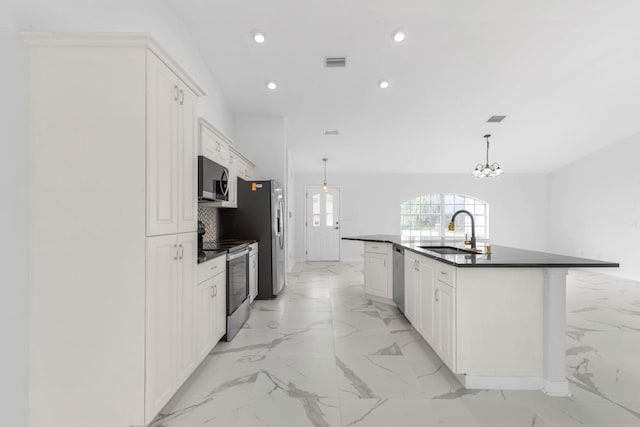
{"type": "Point", "coordinates": [213, 181]}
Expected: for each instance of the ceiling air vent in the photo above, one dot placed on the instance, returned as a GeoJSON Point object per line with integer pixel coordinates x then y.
{"type": "Point", "coordinates": [335, 61]}
{"type": "Point", "coordinates": [496, 119]}
{"type": "Point", "coordinates": [331, 132]}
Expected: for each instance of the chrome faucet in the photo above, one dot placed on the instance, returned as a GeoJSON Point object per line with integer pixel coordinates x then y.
{"type": "Point", "coordinates": [452, 226]}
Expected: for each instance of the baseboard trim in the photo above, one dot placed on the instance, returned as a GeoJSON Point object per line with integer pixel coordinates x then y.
{"type": "Point", "coordinates": [503, 383]}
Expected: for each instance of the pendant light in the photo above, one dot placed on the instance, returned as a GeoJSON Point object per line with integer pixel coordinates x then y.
{"type": "Point", "coordinates": [486, 171]}
{"type": "Point", "coordinates": [325, 187]}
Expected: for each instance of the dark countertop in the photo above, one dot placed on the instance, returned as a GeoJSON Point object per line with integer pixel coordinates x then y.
{"type": "Point", "coordinates": [204, 256]}
{"type": "Point", "coordinates": [501, 256]}
{"type": "Point", "coordinates": [215, 249]}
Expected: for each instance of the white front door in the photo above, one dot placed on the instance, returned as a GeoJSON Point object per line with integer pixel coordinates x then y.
{"type": "Point", "coordinates": [322, 224]}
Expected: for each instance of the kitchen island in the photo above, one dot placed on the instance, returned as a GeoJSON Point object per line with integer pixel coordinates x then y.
{"type": "Point", "coordinates": [496, 320]}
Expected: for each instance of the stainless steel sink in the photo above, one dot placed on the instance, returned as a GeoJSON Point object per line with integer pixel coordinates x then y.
{"type": "Point", "coordinates": [447, 250]}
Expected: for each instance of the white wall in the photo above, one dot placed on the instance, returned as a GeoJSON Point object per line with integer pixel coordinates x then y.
{"type": "Point", "coordinates": [262, 140]}
{"type": "Point", "coordinates": [594, 207]}
{"type": "Point", "coordinates": [371, 205]}
{"type": "Point", "coordinates": [14, 233]}
{"type": "Point", "coordinates": [291, 211]}
{"type": "Point", "coordinates": [130, 16]}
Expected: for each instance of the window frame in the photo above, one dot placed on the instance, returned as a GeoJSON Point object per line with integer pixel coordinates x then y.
{"type": "Point", "coordinates": [444, 217]}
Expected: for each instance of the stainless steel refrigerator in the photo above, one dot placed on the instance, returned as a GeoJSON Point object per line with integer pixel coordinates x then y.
{"type": "Point", "coordinates": [260, 216]}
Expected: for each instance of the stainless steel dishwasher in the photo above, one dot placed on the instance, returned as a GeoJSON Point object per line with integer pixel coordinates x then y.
{"type": "Point", "coordinates": [398, 277]}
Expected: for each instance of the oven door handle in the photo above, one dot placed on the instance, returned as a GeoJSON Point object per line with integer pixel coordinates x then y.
{"type": "Point", "coordinates": [237, 255]}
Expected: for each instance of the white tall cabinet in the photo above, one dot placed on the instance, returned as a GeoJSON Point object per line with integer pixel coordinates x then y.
{"type": "Point", "coordinates": [112, 176]}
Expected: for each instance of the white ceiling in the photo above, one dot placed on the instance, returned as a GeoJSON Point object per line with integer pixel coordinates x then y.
{"type": "Point", "coordinates": [565, 72]}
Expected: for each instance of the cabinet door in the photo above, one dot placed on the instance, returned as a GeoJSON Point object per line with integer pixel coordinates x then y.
{"type": "Point", "coordinates": [410, 289]}
{"type": "Point", "coordinates": [187, 161]}
{"type": "Point", "coordinates": [445, 324]}
{"type": "Point", "coordinates": [161, 323]}
{"type": "Point", "coordinates": [204, 308]}
{"type": "Point", "coordinates": [427, 301]}
{"type": "Point", "coordinates": [220, 311]}
{"type": "Point", "coordinates": [162, 110]}
{"type": "Point", "coordinates": [375, 274]}
{"type": "Point", "coordinates": [187, 253]}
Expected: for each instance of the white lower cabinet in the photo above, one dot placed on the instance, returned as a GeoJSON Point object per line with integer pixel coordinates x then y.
{"type": "Point", "coordinates": [427, 301]}
{"type": "Point", "coordinates": [430, 304]}
{"type": "Point", "coordinates": [210, 305]}
{"type": "Point", "coordinates": [170, 346]}
{"type": "Point", "coordinates": [205, 314]}
{"type": "Point", "coordinates": [188, 249]}
{"type": "Point", "coordinates": [378, 269]}
{"type": "Point", "coordinates": [444, 327]}
{"type": "Point", "coordinates": [411, 296]}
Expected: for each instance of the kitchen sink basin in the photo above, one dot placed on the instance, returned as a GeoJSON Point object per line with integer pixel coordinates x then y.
{"type": "Point", "coordinates": [447, 250]}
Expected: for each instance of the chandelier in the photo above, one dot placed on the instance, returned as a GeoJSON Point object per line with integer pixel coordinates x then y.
{"type": "Point", "coordinates": [486, 171]}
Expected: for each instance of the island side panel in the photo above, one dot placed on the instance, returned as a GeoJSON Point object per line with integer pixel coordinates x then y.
{"type": "Point", "coordinates": [555, 325]}
{"type": "Point", "coordinates": [500, 322]}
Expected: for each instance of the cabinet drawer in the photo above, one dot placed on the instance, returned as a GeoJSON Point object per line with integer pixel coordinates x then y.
{"type": "Point", "coordinates": [211, 268]}
{"type": "Point", "coordinates": [446, 274]}
{"type": "Point", "coordinates": [376, 248]}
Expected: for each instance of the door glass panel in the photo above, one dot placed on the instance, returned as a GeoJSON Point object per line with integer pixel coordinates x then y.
{"type": "Point", "coordinates": [316, 210]}
{"type": "Point", "coordinates": [329, 210]}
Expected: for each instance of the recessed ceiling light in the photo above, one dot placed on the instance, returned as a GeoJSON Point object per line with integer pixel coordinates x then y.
{"type": "Point", "coordinates": [271, 85]}
{"type": "Point", "coordinates": [383, 84]}
{"type": "Point", "coordinates": [399, 36]}
{"type": "Point", "coordinates": [258, 37]}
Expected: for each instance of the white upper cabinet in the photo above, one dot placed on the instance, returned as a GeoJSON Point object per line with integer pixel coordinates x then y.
{"type": "Point", "coordinates": [171, 161]}
{"type": "Point", "coordinates": [217, 147]}
{"type": "Point", "coordinates": [187, 162]}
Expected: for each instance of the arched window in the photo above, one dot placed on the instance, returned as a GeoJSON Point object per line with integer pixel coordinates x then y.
{"type": "Point", "coordinates": [428, 216]}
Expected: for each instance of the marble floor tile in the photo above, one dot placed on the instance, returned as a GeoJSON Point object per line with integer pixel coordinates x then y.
{"type": "Point", "coordinates": [369, 377]}
{"type": "Point", "coordinates": [388, 412]}
{"type": "Point", "coordinates": [221, 383]}
{"type": "Point", "coordinates": [292, 412]}
{"type": "Point", "coordinates": [263, 342]}
{"type": "Point", "coordinates": [310, 319]}
{"type": "Point", "coordinates": [351, 303]}
{"type": "Point", "coordinates": [287, 376]}
{"type": "Point", "coordinates": [365, 319]}
{"type": "Point", "coordinates": [306, 292]}
{"type": "Point", "coordinates": [366, 342]}
{"type": "Point", "coordinates": [350, 291]}
{"type": "Point", "coordinates": [503, 413]}
{"type": "Point", "coordinates": [323, 354]}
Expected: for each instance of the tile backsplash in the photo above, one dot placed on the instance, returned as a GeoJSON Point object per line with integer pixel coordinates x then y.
{"type": "Point", "coordinates": [209, 216]}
